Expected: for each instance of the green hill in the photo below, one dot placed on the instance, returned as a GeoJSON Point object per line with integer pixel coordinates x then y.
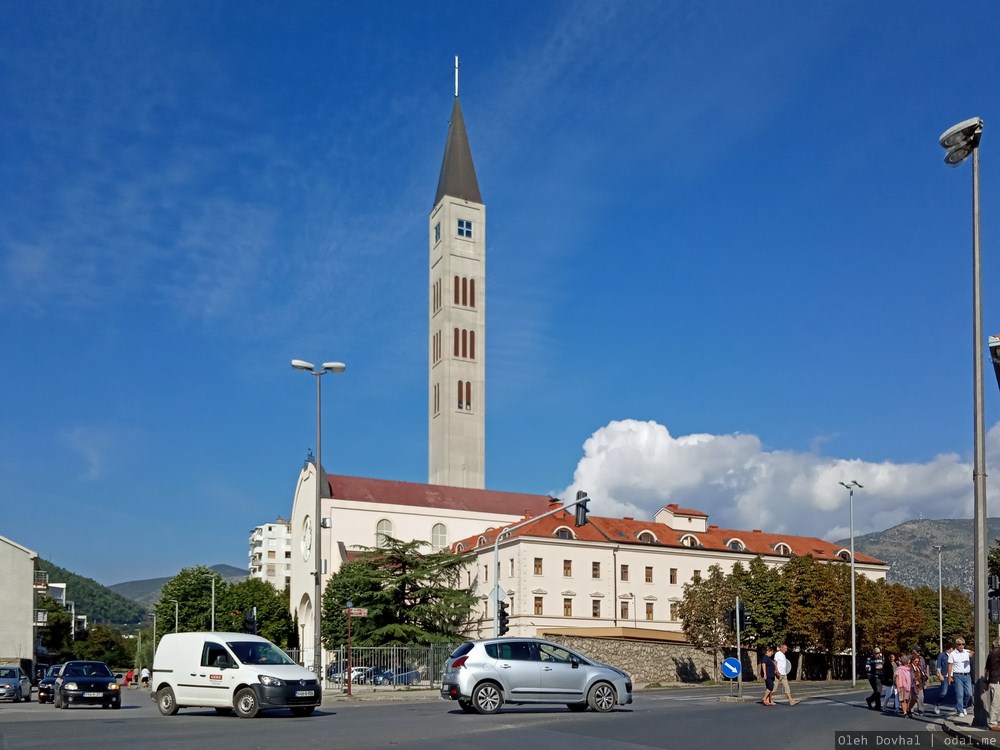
{"type": "Point", "coordinates": [99, 603]}
{"type": "Point", "coordinates": [147, 591]}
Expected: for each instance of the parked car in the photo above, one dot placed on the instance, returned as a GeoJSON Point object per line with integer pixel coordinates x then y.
{"type": "Point", "coordinates": [406, 676]}
{"type": "Point", "coordinates": [47, 683]}
{"type": "Point", "coordinates": [86, 683]}
{"type": "Point", "coordinates": [15, 685]}
{"type": "Point", "coordinates": [483, 675]}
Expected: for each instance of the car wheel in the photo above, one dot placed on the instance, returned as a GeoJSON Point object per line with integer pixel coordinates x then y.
{"type": "Point", "coordinates": [246, 704]}
{"type": "Point", "coordinates": [467, 706]}
{"type": "Point", "coordinates": [166, 702]}
{"type": "Point", "coordinates": [486, 698]}
{"type": "Point", "coordinates": [576, 707]}
{"type": "Point", "coordinates": [302, 710]}
{"type": "Point", "coordinates": [223, 711]}
{"type": "Point", "coordinates": [601, 697]}
{"type": "Point", "coordinates": [116, 705]}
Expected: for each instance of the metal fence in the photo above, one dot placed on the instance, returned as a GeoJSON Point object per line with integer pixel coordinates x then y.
{"type": "Point", "coordinates": [387, 667]}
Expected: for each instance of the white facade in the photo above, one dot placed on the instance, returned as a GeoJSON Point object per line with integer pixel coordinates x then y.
{"type": "Point", "coordinates": [361, 509]}
{"type": "Point", "coordinates": [557, 576]}
{"type": "Point", "coordinates": [271, 553]}
{"type": "Point", "coordinates": [17, 601]}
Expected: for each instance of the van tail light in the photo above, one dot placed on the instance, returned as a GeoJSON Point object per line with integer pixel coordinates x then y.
{"type": "Point", "coordinates": [459, 662]}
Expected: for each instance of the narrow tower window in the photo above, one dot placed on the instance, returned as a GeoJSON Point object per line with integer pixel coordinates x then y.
{"type": "Point", "coordinates": [472, 292]}
{"type": "Point", "coordinates": [465, 291]}
{"type": "Point", "coordinates": [472, 344]}
{"type": "Point", "coordinates": [456, 342]}
{"type": "Point", "coordinates": [465, 228]}
{"type": "Point", "coordinates": [461, 403]}
{"type": "Point", "coordinates": [468, 396]}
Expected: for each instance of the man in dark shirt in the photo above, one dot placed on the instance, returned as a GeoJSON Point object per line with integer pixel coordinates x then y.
{"type": "Point", "coordinates": [873, 667]}
{"type": "Point", "coordinates": [993, 678]}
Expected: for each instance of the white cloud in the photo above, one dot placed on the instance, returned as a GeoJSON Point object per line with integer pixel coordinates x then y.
{"type": "Point", "coordinates": [633, 468]}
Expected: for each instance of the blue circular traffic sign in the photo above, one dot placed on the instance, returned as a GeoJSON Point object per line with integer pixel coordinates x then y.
{"type": "Point", "coordinates": [731, 668]}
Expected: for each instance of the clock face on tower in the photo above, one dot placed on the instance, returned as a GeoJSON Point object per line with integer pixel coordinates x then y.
{"type": "Point", "coordinates": [307, 538]}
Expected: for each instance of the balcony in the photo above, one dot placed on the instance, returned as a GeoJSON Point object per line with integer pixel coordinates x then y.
{"type": "Point", "coordinates": [40, 579]}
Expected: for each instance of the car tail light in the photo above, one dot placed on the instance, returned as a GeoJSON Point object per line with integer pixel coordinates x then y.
{"type": "Point", "coordinates": [459, 662]}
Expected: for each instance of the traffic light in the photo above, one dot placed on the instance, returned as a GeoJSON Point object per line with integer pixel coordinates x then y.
{"type": "Point", "coordinates": [731, 619]}
{"type": "Point", "coordinates": [581, 507]}
{"type": "Point", "coordinates": [503, 619]}
{"type": "Point", "coordinates": [250, 621]}
{"type": "Point", "coordinates": [994, 598]}
{"type": "Point", "coordinates": [745, 618]}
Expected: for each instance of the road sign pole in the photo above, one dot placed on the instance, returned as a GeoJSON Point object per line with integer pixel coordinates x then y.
{"type": "Point", "coordinates": [739, 653]}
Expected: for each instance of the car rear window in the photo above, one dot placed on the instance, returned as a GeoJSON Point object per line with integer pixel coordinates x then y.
{"type": "Point", "coordinates": [462, 650]}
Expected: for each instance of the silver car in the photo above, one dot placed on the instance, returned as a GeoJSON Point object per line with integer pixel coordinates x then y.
{"type": "Point", "coordinates": [483, 675]}
{"type": "Point", "coordinates": [15, 685]}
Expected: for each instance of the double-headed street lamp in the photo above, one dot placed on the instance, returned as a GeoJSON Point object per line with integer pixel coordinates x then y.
{"type": "Point", "coordinates": [960, 141]}
{"type": "Point", "coordinates": [318, 372]}
{"type": "Point", "coordinates": [176, 606]}
{"type": "Point", "coordinates": [854, 630]}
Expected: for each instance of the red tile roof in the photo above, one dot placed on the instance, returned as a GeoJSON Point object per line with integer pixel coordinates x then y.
{"type": "Point", "coordinates": [627, 531]}
{"type": "Point", "coordinates": [365, 490]}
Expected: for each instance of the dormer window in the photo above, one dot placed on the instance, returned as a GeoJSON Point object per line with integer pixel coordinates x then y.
{"type": "Point", "coordinates": [563, 533]}
{"type": "Point", "coordinates": [647, 537]}
{"type": "Point", "coordinates": [690, 540]}
{"type": "Point", "coordinates": [736, 545]}
{"type": "Point", "coordinates": [481, 541]}
{"type": "Point", "coordinates": [844, 555]}
{"type": "Point", "coordinates": [782, 549]}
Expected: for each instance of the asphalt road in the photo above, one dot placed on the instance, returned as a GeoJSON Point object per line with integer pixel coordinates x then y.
{"type": "Point", "coordinates": [680, 718]}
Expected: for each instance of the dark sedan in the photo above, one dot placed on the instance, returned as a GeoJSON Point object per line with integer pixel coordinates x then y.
{"type": "Point", "coordinates": [86, 683]}
{"type": "Point", "coordinates": [47, 683]}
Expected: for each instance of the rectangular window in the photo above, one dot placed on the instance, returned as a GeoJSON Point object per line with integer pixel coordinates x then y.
{"type": "Point", "coordinates": [673, 575]}
{"type": "Point", "coordinates": [624, 572]}
{"type": "Point", "coordinates": [512, 566]}
{"type": "Point", "coordinates": [649, 610]}
{"type": "Point", "coordinates": [624, 610]}
{"type": "Point", "coordinates": [437, 232]}
{"type": "Point", "coordinates": [696, 576]}
{"type": "Point", "coordinates": [567, 607]}
{"type": "Point", "coordinates": [673, 610]}
{"type": "Point", "coordinates": [538, 566]}
{"type": "Point", "coordinates": [595, 570]}
{"type": "Point", "coordinates": [649, 574]}
{"type": "Point", "coordinates": [595, 608]}
{"type": "Point", "coordinates": [567, 568]}
{"type": "Point", "coordinates": [486, 572]}
{"type": "Point", "coordinates": [538, 605]}
{"type": "Point", "coordinates": [465, 228]}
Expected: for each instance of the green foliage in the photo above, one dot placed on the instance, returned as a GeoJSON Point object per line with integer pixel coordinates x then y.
{"type": "Point", "coordinates": [104, 643]}
{"type": "Point", "coordinates": [412, 597]}
{"type": "Point", "coordinates": [273, 619]}
{"type": "Point", "coordinates": [57, 635]}
{"type": "Point", "coordinates": [703, 610]}
{"type": "Point", "coordinates": [192, 590]}
{"type": "Point", "coordinates": [99, 603]}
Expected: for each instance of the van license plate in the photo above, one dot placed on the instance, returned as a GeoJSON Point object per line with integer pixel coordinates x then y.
{"type": "Point", "coordinates": [304, 693]}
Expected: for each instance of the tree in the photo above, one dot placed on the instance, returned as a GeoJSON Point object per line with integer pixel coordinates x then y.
{"type": "Point", "coordinates": [412, 597]}
{"type": "Point", "coordinates": [764, 592]}
{"type": "Point", "coordinates": [819, 615]}
{"type": "Point", "coordinates": [104, 643]}
{"type": "Point", "coordinates": [57, 633]}
{"type": "Point", "coordinates": [192, 588]}
{"type": "Point", "coordinates": [273, 619]}
{"type": "Point", "coordinates": [703, 612]}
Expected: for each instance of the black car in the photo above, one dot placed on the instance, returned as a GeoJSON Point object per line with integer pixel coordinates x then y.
{"type": "Point", "coordinates": [88, 683]}
{"type": "Point", "coordinates": [47, 683]}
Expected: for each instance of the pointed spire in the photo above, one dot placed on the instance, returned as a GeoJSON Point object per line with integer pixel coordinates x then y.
{"type": "Point", "coordinates": [458, 175]}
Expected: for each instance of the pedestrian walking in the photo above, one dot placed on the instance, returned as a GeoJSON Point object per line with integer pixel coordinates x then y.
{"type": "Point", "coordinates": [873, 668]}
{"type": "Point", "coordinates": [767, 671]}
{"type": "Point", "coordinates": [921, 677]}
{"type": "Point", "coordinates": [890, 698]}
{"type": "Point", "coordinates": [941, 665]}
{"type": "Point", "coordinates": [782, 668]}
{"type": "Point", "coordinates": [904, 687]}
{"type": "Point", "coordinates": [959, 669]}
{"type": "Point", "coordinates": [993, 679]}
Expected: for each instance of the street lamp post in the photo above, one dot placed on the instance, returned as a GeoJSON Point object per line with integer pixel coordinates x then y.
{"type": "Point", "coordinates": [176, 605]}
{"type": "Point", "coordinates": [318, 372]}
{"type": "Point", "coordinates": [854, 630]}
{"type": "Point", "coordinates": [154, 632]}
{"type": "Point", "coordinates": [938, 547]}
{"type": "Point", "coordinates": [212, 576]}
{"type": "Point", "coordinates": [959, 141]}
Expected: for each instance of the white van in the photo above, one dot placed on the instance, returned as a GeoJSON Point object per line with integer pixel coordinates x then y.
{"type": "Point", "coordinates": [230, 671]}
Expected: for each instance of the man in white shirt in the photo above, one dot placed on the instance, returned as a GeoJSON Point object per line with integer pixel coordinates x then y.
{"type": "Point", "coordinates": [959, 674]}
{"type": "Point", "coordinates": [782, 667]}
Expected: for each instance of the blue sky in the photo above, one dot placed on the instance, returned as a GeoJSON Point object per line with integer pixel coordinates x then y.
{"type": "Point", "coordinates": [727, 266]}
